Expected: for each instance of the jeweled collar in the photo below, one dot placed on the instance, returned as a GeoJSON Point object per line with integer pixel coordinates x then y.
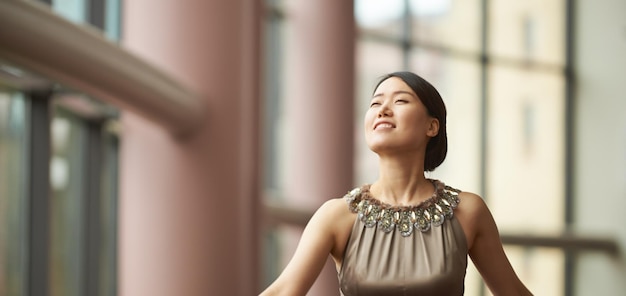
{"type": "Point", "coordinates": [431, 212]}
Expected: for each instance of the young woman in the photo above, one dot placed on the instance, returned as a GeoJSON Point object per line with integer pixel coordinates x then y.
{"type": "Point", "coordinates": [404, 234]}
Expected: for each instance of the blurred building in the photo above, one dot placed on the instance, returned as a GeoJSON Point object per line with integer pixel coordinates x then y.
{"type": "Point", "coordinates": [179, 147]}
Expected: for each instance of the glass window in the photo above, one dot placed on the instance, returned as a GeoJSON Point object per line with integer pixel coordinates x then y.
{"type": "Point", "coordinates": [112, 22]}
{"type": "Point", "coordinates": [540, 269]}
{"type": "Point", "coordinates": [525, 173]}
{"type": "Point", "coordinates": [451, 24]}
{"type": "Point", "coordinates": [525, 146]}
{"type": "Point", "coordinates": [458, 82]}
{"type": "Point", "coordinates": [14, 148]}
{"type": "Point", "coordinates": [382, 18]}
{"type": "Point", "coordinates": [516, 149]}
{"type": "Point", "coordinates": [73, 10]}
{"type": "Point", "coordinates": [528, 30]}
{"type": "Point", "coordinates": [67, 204]}
{"type": "Point", "coordinates": [83, 176]}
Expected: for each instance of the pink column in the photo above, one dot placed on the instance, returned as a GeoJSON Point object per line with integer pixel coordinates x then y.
{"type": "Point", "coordinates": [188, 207]}
{"type": "Point", "coordinates": [319, 108]}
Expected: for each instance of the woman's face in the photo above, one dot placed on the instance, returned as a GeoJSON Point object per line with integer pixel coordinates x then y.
{"type": "Point", "coordinates": [396, 120]}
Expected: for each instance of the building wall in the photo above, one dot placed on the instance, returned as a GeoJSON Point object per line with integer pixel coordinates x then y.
{"type": "Point", "coordinates": [600, 144]}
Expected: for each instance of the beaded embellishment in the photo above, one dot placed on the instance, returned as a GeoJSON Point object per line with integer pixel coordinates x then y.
{"type": "Point", "coordinates": [430, 213]}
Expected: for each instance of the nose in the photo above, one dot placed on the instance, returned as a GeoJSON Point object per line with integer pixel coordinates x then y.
{"type": "Point", "coordinates": [384, 111]}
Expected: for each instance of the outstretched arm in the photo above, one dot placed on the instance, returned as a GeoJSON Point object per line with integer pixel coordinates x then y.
{"type": "Point", "coordinates": [488, 254]}
{"type": "Point", "coordinates": [311, 254]}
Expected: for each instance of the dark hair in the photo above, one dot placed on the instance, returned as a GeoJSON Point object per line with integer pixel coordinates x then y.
{"type": "Point", "coordinates": [437, 147]}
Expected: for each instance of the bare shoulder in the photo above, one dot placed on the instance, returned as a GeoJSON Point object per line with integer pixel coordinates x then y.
{"type": "Point", "coordinates": [336, 213]}
{"type": "Point", "coordinates": [471, 202]}
{"type": "Point", "coordinates": [469, 213]}
{"type": "Point", "coordinates": [334, 207]}
{"type": "Point", "coordinates": [330, 212]}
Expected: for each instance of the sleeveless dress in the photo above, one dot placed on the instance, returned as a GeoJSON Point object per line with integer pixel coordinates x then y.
{"type": "Point", "coordinates": [408, 250]}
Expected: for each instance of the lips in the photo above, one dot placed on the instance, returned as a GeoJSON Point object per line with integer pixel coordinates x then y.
{"type": "Point", "coordinates": [383, 124]}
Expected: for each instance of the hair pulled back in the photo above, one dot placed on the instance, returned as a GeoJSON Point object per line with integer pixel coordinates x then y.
{"type": "Point", "coordinates": [437, 147]}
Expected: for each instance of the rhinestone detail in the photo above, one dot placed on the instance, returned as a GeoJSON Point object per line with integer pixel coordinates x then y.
{"type": "Point", "coordinates": [429, 213]}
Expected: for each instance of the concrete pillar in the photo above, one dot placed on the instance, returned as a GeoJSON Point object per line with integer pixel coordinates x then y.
{"type": "Point", "coordinates": [319, 108]}
{"type": "Point", "coordinates": [188, 206]}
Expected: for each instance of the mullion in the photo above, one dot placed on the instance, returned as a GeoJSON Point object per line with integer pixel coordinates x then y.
{"type": "Point", "coordinates": [38, 214]}
{"type": "Point", "coordinates": [92, 214]}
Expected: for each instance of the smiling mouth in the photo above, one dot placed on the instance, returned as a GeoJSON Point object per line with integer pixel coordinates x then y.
{"type": "Point", "coordinates": [383, 125]}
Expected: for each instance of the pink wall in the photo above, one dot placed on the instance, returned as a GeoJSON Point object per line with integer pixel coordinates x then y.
{"type": "Point", "coordinates": [319, 111]}
{"type": "Point", "coordinates": [189, 207]}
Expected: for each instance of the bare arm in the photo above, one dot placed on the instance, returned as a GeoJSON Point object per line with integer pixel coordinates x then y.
{"type": "Point", "coordinates": [316, 243]}
{"type": "Point", "coordinates": [487, 252]}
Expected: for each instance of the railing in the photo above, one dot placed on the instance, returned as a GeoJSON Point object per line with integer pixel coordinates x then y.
{"type": "Point", "coordinates": [35, 38]}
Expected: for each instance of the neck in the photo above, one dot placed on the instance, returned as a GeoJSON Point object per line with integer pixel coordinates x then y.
{"type": "Point", "coordinates": [401, 181]}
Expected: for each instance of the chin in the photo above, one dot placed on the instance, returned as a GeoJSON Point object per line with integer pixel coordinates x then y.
{"type": "Point", "coordinates": [382, 147]}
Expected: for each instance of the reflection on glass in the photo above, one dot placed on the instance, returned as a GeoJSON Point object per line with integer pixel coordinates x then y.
{"type": "Point", "coordinates": [452, 24]}
{"type": "Point", "coordinates": [381, 17]}
{"type": "Point", "coordinates": [528, 30]}
{"type": "Point", "coordinates": [13, 193]}
{"type": "Point", "coordinates": [66, 172]}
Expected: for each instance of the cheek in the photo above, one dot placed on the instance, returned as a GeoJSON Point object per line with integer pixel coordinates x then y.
{"type": "Point", "coordinates": [368, 120]}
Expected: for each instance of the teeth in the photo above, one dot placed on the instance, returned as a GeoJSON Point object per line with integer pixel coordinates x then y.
{"type": "Point", "coordinates": [384, 125]}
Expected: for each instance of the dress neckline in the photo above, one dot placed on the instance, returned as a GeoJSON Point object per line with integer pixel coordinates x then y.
{"type": "Point", "coordinates": [439, 187]}
{"type": "Point", "coordinates": [431, 212]}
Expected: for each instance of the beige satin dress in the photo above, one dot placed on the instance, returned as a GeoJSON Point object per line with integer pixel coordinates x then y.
{"type": "Point", "coordinates": [412, 250]}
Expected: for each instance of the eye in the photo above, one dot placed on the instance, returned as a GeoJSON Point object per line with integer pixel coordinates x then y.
{"type": "Point", "coordinates": [373, 104]}
{"type": "Point", "coordinates": [401, 101]}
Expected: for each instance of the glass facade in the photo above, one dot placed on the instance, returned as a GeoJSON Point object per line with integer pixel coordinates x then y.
{"type": "Point", "coordinates": [14, 159]}
{"type": "Point", "coordinates": [500, 69]}
{"type": "Point", "coordinates": [67, 228]}
{"type": "Point", "coordinates": [500, 66]}
{"type": "Point", "coordinates": [82, 197]}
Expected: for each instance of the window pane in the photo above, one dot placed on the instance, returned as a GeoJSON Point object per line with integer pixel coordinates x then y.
{"type": "Point", "coordinates": [526, 149]}
{"type": "Point", "coordinates": [380, 17]}
{"type": "Point", "coordinates": [370, 67]}
{"type": "Point", "coordinates": [540, 269]}
{"type": "Point", "coordinates": [452, 24]}
{"type": "Point", "coordinates": [531, 30]}
{"type": "Point", "coordinates": [113, 19]}
{"type": "Point", "coordinates": [13, 193]}
{"type": "Point", "coordinates": [66, 177]}
{"type": "Point", "coordinates": [525, 163]}
{"type": "Point", "coordinates": [73, 10]}
{"type": "Point", "coordinates": [458, 82]}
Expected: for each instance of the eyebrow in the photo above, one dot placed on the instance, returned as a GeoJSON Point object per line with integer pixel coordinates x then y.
{"type": "Point", "coordinates": [395, 93]}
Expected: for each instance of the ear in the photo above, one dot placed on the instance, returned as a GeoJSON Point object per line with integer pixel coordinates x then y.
{"type": "Point", "coordinates": [433, 127]}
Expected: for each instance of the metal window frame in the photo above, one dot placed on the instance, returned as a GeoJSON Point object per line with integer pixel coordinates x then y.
{"type": "Point", "coordinates": [38, 213]}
